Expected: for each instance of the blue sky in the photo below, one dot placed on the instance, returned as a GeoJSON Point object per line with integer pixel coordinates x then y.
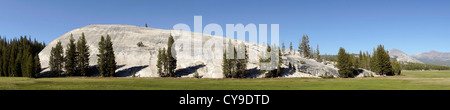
{"type": "Point", "coordinates": [410, 25]}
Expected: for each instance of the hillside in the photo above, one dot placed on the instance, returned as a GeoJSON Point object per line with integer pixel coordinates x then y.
{"type": "Point", "coordinates": [142, 60]}
{"type": "Point", "coordinates": [402, 57]}
{"type": "Point", "coordinates": [434, 57]}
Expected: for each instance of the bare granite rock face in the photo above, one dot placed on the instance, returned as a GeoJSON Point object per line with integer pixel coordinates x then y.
{"type": "Point", "coordinates": [310, 66]}
{"type": "Point", "coordinates": [142, 60]}
{"type": "Point", "coordinates": [402, 57]}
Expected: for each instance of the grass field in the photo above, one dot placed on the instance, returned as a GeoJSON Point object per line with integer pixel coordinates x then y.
{"type": "Point", "coordinates": [410, 80]}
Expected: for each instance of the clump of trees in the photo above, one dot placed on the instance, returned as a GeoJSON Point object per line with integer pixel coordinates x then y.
{"type": "Point", "coordinates": [106, 60]}
{"type": "Point", "coordinates": [56, 60]}
{"type": "Point", "coordinates": [396, 67]}
{"type": "Point", "coordinates": [166, 62]}
{"type": "Point", "coordinates": [277, 72]}
{"type": "Point", "coordinates": [382, 62]}
{"type": "Point", "coordinates": [75, 61]}
{"type": "Point", "coordinates": [344, 64]}
{"type": "Point", "coordinates": [304, 48]}
{"type": "Point", "coordinates": [379, 62]}
{"type": "Point", "coordinates": [233, 66]}
{"type": "Point", "coordinates": [19, 57]}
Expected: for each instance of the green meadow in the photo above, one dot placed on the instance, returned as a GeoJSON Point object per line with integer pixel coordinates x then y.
{"type": "Point", "coordinates": [409, 80]}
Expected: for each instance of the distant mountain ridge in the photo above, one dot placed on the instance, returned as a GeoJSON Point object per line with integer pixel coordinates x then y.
{"type": "Point", "coordinates": [434, 57]}
{"type": "Point", "coordinates": [402, 56]}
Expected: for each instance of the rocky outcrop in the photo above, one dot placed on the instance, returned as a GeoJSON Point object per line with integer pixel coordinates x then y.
{"type": "Point", "coordinates": [142, 60]}
{"type": "Point", "coordinates": [402, 57]}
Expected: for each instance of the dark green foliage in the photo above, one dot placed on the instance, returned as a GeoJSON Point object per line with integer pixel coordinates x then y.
{"type": "Point", "coordinates": [344, 64]}
{"type": "Point", "coordinates": [241, 64]}
{"type": "Point", "coordinates": [101, 61]}
{"type": "Point", "coordinates": [290, 47]}
{"type": "Point", "coordinates": [37, 66]}
{"type": "Point", "coordinates": [172, 61]}
{"type": "Point", "coordinates": [71, 55]}
{"type": "Point", "coordinates": [266, 55]}
{"type": "Point", "coordinates": [396, 67]}
{"type": "Point", "coordinates": [234, 67]}
{"type": "Point", "coordinates": [419, 66]}
{"type": "Point", "coordinates": [277, 72]}
{"type": "Point", "coordinates": [83, 54]}
{"type": "Point", "coordinates": [56, 60]}
{"type": "Point", "coordinates": [111, 61]}
{"type": "Point", "coordinates": [140, 44]}
{"type": "Point", "coordinates": [379, 62]}
{"type": "Point", "coordinates": [162, 63]}
{"type": "Point", "coordinates": [196, 75]}
{"type": "Point", "coordinates": [14, 55]}
{"type": "Point", "coordinates": [106, 59]}
{"type": "Point", "coordinates": [30, 67]}
{"type": "Point", "coordinates": [319, 59]}
{"type": "Point", "coordinates": [383, 62]}
{"type": "Point", "coordinates": [225, 65]}
{"type": "Point", "coordinates": [304, 47]}
{"type": "Point", "coordinates": [165, 63]}
{"type": "Point", "coordinates": [159, 62]}
{"type": "Point", "coordinates": [229, 60]}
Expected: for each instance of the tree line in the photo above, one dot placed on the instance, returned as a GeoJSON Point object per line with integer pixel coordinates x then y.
{"type": "Point", "coordinates": [379, 62]}
{"type": "Point", "coordinates": [420, 66]}
{"type": "Point", "coordinates": [19, 57]}
{"type": "Point", "coordinates": [75, 60]}
{"type": "Point", "coordinates": [233, 66]}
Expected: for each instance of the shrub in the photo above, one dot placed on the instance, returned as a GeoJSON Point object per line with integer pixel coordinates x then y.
{"type": "Point", "coordinates": [302, 62]}
{"type": "Point", "coordinates": [327, 76]}
{"type": "Point", "coordinates": [196, 75]}
{"type": "Point", "coordinates": [140, 44]}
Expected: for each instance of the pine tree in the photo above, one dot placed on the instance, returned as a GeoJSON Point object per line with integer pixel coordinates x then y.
{"type": "Point", "coordinates": [30, 67]}
{"type": "Point", "coordinates": [231, 54]}
{"type": "Point", "coordinates": [165, 63]}
{"type": "Point", "coordinates": [159, 62]}
{"type": "Point", "coordinates": [106, 59]}
{"type": "Point", "coordinates": [383, 61]}
{"type": "Point", "coordinates": [57, 59]}
{"type": "Point", "coordinates": [318, 54]}
{"type": "Point", "coordinates": [225, 65]}
{"type": "Point", "coordinates": [111, 59]}
{"type": "Point", "coordinates": [70, 58]}
{"type": "Point", "coordinates": [344, 64]}
{"type": "Point", "coordinates": [83, 56]}
{"type": "Point", "coordinates": [290, 48]}
{"type": "Point", "coordinates": [172, 61]}
{"type": "Point", "coordinates": [373, 62]}
{"type": "Point", "coordinates": [37, 66]}
{"type": "Point", "coordinates": [102, 58]}
{"type": "Point", "coordinates": [283, 48]}
{"type": "Point", "coordinates": [304, 47]}
{"type": "Point", "coordinates": [280, 62]}
{"type": "Point", "coordinates": [17, 68]}
{"type": "Point", "coordinates": [241, 64]}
